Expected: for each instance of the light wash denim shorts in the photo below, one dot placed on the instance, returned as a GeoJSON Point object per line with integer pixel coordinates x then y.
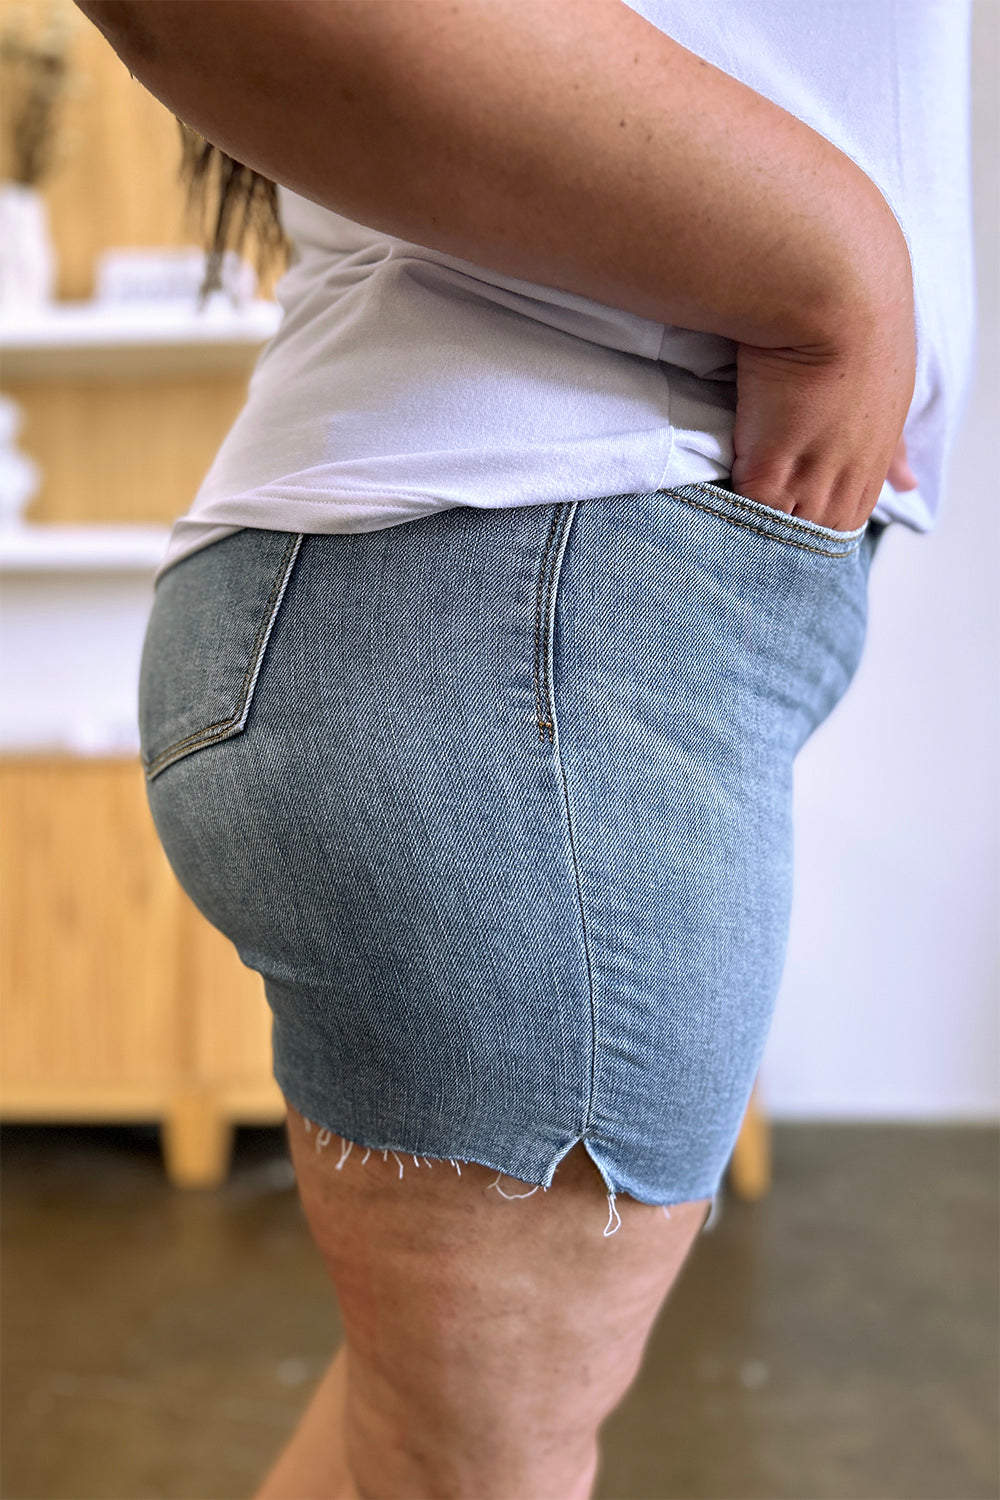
{"type": "Point", "coordinates": [498, 803]}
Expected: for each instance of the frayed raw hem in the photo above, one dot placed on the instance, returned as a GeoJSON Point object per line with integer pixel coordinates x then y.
{"type": "Point", "coordinates": [324, 1136]}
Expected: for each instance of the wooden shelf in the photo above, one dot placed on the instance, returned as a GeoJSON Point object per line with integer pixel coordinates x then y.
{"type": "Point", "coordinates": [74, 607]}
{"type": "Point", "coordinates": [137, 340]}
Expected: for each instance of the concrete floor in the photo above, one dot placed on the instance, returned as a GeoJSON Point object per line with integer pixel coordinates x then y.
{"type": "Point", "coordinates": [836, 1341]}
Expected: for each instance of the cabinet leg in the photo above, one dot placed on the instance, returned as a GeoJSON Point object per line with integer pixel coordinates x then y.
{"type": "Point", "coordinates": [197, 1141]}
{"type": "Point", "coordinates": [750, 1163]}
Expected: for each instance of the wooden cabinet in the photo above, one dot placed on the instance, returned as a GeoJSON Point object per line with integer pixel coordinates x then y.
{"type": "Point", "coordinates": [120, 1002]}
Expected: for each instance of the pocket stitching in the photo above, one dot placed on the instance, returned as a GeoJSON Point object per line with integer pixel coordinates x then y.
{"type": "Point", "coordinates": [544, 615]}
{"type": "Point", "coordinates": [224, 728]}
{"type": "Point", "coordinates": [762, 531]}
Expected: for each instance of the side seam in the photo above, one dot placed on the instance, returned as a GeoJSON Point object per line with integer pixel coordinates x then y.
{"type": "Point", "coordinates": [545, 620]}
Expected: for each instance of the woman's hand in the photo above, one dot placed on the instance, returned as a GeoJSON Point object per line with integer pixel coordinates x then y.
{"type": "Point", "coordinates": [819, 429]}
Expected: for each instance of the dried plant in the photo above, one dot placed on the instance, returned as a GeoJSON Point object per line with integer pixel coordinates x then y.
{"type": "Point", "coordinates": [36, 68]}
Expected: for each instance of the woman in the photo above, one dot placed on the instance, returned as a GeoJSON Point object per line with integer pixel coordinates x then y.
{"type": "Point", "coordinates": [478, 666]}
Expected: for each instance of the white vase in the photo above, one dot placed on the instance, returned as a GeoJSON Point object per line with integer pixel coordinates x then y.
{"type": "Point", "coordinates": [20, 476]}
{"type": "Point", "coordinates": [27, 256]}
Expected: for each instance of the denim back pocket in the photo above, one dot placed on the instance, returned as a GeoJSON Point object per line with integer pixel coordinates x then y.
{"type": "Point", "coordinates": [205, 642]}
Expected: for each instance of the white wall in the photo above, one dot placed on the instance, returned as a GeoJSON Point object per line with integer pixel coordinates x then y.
{"type": "Point", "coordinates": [890, 1002]}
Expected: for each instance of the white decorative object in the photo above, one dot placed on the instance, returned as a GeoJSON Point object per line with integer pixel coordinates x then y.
{"type": "Point", "coordinates": [20, 476]}
{"type": "Point", "coordinates": [27, 256]}
{"type": "Point", "coordinates": [168, 274]}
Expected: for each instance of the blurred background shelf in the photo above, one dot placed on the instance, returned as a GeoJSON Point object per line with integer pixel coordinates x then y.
{"type": "Point", "coordinates": [45, 549]}
{"type": "Point", "coordinates": [95, 341]}
{"type": "Point", "coordinates": [74, 601]}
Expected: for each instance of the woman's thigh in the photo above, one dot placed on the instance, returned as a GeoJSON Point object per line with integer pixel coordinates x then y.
{"type": "Point", "coordinates": [487, 1337]}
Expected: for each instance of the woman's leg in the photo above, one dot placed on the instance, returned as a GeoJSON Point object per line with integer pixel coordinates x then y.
{"type": "Point", "coordinates": [487, 1338]}
{"type": "Point", "coordinates": [313, 1463]}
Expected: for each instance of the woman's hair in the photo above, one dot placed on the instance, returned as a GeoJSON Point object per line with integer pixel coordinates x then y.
{"type": "Point", "coordinates": [246, 200]}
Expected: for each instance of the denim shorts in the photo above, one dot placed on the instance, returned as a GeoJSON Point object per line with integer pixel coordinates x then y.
{"type": "Point", "coordinates": [498, 803]}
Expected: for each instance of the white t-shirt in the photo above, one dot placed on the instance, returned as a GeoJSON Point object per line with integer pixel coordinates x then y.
{"type": "Point", "coordinates": [402, 381]}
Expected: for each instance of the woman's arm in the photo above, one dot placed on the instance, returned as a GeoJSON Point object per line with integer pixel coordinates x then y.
{"type": "Point", "coordinates": [576, 146]}
{"type": "Point", "coordinates": [571, 144]}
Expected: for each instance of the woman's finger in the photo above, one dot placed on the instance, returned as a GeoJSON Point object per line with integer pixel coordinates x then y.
{"type": "Point", "coordinates": [900, 475]}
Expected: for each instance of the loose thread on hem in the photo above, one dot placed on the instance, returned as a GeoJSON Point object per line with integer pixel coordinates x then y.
{"type": "Point", "coordinates": [325, 1135]}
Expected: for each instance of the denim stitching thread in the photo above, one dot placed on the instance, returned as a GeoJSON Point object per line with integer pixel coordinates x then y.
{"type": "Point", "coordinates": [746, 503]}
{"type": "Point", "coordinates": [762, 531]}
{"type": "Point", "coordinates": [564, 519]}
{"type": "Point", "coordinates": [541, 632]}
{"type": "Point", "coordinates": [212, 732]}
{"type": "Point", "coordinates": [222, 728]}
{"type": "Point", "coordinates": [547, 725]}
{"type": "Point", "coordinates": [591, 992]}
{"type": "Point", "coordinates": [561, 523]}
